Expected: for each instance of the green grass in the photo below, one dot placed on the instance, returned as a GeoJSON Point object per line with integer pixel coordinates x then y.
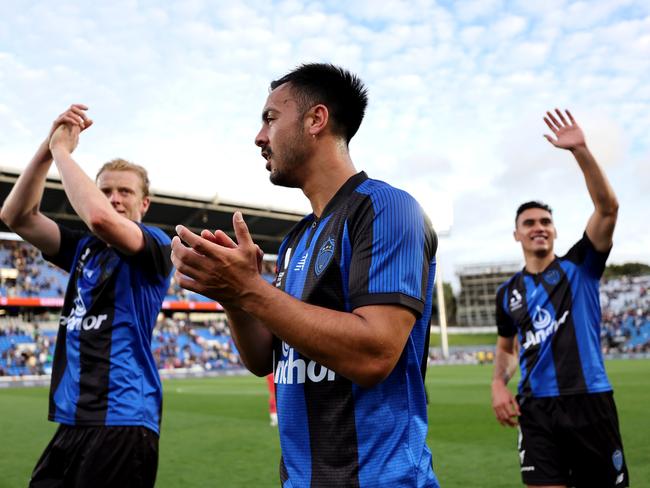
{"type": "Point", "coordinates": [482, 339]}
{"type": "Point", "coordinates": [216, 432]}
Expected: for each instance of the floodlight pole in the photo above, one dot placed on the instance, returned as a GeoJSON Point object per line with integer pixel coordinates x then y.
{"type": "Point", "coordinates": [442, 311]}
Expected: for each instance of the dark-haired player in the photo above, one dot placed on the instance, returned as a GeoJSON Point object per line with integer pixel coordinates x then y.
{"type": "Point", "coordinates": [105, 391]}
{"type": "Point", "coordinates": [345, 329]}
{"type": "Point", "coordinates": [569, 434]}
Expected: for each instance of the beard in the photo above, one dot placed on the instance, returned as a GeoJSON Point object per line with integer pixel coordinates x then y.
{"type": "Point", "coordinates": [289, 157]}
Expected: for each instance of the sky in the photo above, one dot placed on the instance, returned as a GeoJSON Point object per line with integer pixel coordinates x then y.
{"type": "Point", "coordinates": [457, 92]}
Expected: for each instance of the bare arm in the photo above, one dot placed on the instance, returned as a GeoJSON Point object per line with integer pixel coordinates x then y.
{"type": "Point", "coordinates": [504, 404]}
{"type": "Point", "coordinates": [363, 346]}
{"type": "Point", "coordinates": [88, 201]}
{"type": "Point", "coordinates": [253, 340]}
{"type": "Point", "coordinates": [20, 210]}
{"type": "Point", "coordinates": [600, 227]}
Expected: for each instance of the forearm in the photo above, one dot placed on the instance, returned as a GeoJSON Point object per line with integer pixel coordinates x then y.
{"type": "Point", "coordinates": [254, 341]}
{"type": "Point", "coordinates": [25, 197]}
{"type": "Point", "coordinates": [341, 341]}
{"type": "Point", "coordinates": [505, 366]}
{"type": "Point", "coordinates": [86, 199]}
{"type": "Point", "coordinates": [601, 192]}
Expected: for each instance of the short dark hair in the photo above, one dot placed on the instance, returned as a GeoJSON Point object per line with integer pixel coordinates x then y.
{"type": "Point", "coordinates": [342, 92]}
{"type": "Point", "coordinates": [532, 204]}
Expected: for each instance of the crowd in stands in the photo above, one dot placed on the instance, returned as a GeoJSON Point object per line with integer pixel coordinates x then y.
{"type": "Point", "coordinates": [32, 275]}
{"type": "Point", "coordinates": [626, 314]}
{"type": "Point", "coordinates": [183, 344]}
{"type": "Point", "coordinates": [25, 350]}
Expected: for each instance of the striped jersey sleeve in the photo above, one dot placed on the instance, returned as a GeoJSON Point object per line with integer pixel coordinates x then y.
{"type": "Point", "coordinates": [392, 246]}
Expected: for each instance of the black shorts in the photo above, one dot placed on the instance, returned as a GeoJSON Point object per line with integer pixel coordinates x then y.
{"type": "Point", "coordinates": [78, 457]}
{"type": "Point", "coordinates": [571, 440]}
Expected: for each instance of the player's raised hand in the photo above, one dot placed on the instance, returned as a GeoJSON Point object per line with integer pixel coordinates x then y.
{"type": "Point", "coordinates": [568, 134]}
{"type": "Point", "coordinates": [65, 137]}
{"type": "Point", "coordinates": [74, 115]}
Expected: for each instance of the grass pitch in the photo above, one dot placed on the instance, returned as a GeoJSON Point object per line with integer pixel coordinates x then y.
{"type": "Point", "coordinates": [216, 432]}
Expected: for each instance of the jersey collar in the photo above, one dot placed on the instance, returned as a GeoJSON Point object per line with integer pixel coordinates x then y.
{"type": "Point", "coordinates": [343, 193]}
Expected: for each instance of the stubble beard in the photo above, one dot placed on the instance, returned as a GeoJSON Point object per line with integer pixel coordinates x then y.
{"type": "Point", "coordinates": [292, 156]}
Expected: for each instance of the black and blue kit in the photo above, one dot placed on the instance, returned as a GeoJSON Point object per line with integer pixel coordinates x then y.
{"type": "Point", "coordinates": [372, 245]}
{"type": "Point", "coordinates": [104, 372]}
{"type": "Point", "coordinates": [556, 317]}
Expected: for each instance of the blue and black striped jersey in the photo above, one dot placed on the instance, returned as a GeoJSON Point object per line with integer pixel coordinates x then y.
{"type": "Point", "coordinates": [372, 245]}
{"type": "Point", "coordinates": [556, 314]}
{"type": "Point", "coordinates": [104, 372]}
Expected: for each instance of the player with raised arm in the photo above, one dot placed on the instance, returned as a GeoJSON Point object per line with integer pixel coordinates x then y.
{"type": "Point", "coordinates": [105, 390]}
{"type": "Point", "coordinates": [345, 329]}
{"type": "Point", "coordinates": [548, 315]}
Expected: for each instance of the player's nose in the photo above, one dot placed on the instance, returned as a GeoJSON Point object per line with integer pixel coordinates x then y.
{"type": "Point", "coordinates": [261, 139]}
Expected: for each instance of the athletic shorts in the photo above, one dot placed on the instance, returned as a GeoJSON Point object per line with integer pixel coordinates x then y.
{"type": "Point", "coordinates": [571, 440]}
{"type": "Point", "coordinates": [98, 457]}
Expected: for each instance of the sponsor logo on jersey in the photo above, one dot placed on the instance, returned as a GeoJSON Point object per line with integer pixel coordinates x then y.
{"type": "Point", "coordinates": [544, 327]}
{"type": "Point", "coordinates": [516, 301]}
{"type": "Point", "coordinates": [292, 370]}
{"type": "Point", "coordinates": [552, 276]}
{"type": "Point", "coordinates": [77, 319]}
{"type": "Point", "coordinates": [325, 255]}
{"type": "Point", "coordinates": [541, 318]}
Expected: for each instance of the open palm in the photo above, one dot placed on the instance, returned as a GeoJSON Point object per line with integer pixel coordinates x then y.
{"type": "Point", "coordinates": [568, 134]}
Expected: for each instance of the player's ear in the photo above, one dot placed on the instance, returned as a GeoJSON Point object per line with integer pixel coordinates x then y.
{"type": "Point", "coordinates": [316, 119]}
{"type": "Point", "coordinates": [514, 234]}
{"type": "Point", "coordinates": [146, 201]}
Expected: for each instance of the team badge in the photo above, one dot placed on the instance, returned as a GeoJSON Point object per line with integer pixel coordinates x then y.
{"type": "Point", "coordinates": [325, 255]}
{"type": "Point", "coordinates": [552, 277]}
{"type": "Point", "coordinates": [617, 459]}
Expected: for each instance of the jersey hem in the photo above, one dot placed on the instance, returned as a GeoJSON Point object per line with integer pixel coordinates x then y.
{"type": "Point", "coordinates": [572, 392]}
{"type": "Point", "coordinates": [126, 423]}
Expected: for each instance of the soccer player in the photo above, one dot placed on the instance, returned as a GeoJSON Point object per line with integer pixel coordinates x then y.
{"type": "Point", "coordinates": [345, 329]}
{"type": "Point", "coordinates": [105, 391]}
{"type": "Point", "coordinates": [569, 433]}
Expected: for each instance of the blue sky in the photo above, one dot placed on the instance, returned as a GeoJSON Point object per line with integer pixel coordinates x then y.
{"type": "Point", "coordinates": [457, 94]}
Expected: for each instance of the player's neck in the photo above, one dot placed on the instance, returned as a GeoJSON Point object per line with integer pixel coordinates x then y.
{"type": "Point", "coordinates": [328, 174]}
{"type": "Point", "coordinates": [536, 263]}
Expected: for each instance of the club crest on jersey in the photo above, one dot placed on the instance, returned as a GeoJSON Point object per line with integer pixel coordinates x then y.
{"type": "Point", "coordinates": [617, 459]}
{"type": "Point", "coordinates": [552, 277]}
{"type": "Point", "coordinates": [325, 255]}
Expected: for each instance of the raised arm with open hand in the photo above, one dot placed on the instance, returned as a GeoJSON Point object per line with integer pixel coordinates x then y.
{"type": "Point", "coordinates": [568, 134]}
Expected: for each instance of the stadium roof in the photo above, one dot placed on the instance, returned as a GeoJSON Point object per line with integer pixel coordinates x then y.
{"type": "Point", "coordinates": [267, 225]}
